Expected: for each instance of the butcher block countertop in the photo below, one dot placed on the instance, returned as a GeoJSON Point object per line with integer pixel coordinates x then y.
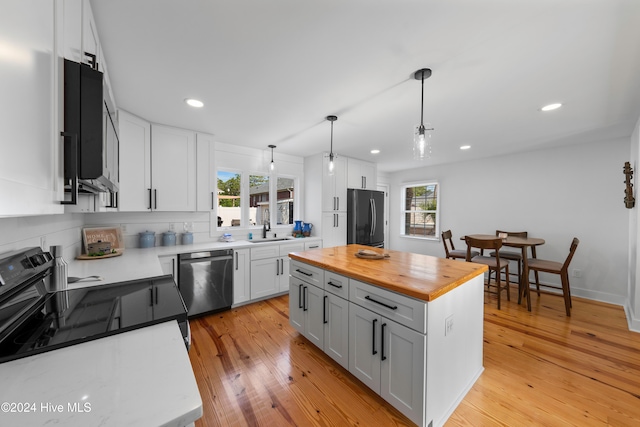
{"type": "Point", "coordinates": [419, 276]}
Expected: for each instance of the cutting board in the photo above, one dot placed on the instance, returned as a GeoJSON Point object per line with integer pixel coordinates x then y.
{"type": "Point", "coordinates": [104, 234]}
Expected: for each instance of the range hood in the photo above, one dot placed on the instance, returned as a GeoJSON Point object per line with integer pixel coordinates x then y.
{"type": "Point", "coordinates": [88, 128]}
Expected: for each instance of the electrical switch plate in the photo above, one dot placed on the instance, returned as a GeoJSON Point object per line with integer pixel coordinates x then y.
{"type": "Point", "coordinates": [123, 228]}
{"type": "Point", "coordinates": [448, 325]}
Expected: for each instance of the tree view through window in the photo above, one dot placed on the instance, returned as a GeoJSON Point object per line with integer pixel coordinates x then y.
{"type": "Point", "coordinates": [421, 210]}
{"type": "Point", "coordinates": [229, 209]}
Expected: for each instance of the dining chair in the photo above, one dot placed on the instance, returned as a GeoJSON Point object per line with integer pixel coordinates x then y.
{"type": "Point", "coordinates": [513, 255]}
{"type": "Point", "coordinates": [450, 250]}
{"type": "Point", "coordinates": [560, 268]}
{"type": "Point", "coordinates": [495, 263]}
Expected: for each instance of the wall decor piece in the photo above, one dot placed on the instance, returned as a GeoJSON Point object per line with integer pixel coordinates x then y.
{"type": "Point", "coordinates": [103, 234]}
{"type": "Point", "coordinates": [629, 200]}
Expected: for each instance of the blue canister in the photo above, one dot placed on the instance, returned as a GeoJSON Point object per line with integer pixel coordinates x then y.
{"type": "Point", "coordinates": [187, 238]}
{"type": "Point", "coordinates": [147, 239]}
{"type": "Point", "coordinates": [169, 238]}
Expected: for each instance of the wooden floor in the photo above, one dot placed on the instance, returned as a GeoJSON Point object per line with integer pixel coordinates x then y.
{"type": "Point", "coordinates": [541, 368]}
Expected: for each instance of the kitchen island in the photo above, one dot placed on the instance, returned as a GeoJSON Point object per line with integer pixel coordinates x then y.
{"type": "Point", "coordinates": [415, 323]}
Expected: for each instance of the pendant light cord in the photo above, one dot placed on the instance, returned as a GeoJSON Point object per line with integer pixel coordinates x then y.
{"type": "Point", "coordinates": [422, 103]}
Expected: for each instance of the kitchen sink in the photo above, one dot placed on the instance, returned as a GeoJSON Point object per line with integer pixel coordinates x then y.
{"type": "Point", "coordinates": [273, 239]}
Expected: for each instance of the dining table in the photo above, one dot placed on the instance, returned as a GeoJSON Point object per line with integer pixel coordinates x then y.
{"type": "Point", "coordinates": [517, 242]}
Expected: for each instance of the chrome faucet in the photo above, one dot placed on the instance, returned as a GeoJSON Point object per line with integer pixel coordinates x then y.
{"type": "Point", "coordinates": [266, 226]}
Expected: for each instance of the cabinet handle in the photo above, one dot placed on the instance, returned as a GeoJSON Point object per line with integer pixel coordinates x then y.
{"type": "Point", "coordinates": [151, 297]}
{"type": "Point", "coordinates": [149, 198]}
{"type": "Point", "coordinates": [212, 201]}
{"type": "Point", "coordinates": [362, 184]}
{"type": "Point", "coordinates": [324, 310]}
{"type": "Point", "coordinates": [338, 203]}
{"type": "Point", "coordinates": [333, 284]}
{"type": "Point", "coordinates": [277, 267]}
{"type": "Point", "coordinates": [304, 272]}
{"type": "Point", "coordinates": [382, 356]}
{"type": "Point", "coordinates": [304, 298]}
{"type": "Point", "coordinates": [72, 168]}
{"type": "Point", "coordinates": [365, 182]}
{"type": "Point", "coordinates": [281, 267]}
{"type": "Point", "coordinates": [300, 305]}
{"type": "Point", "coordinates": [173, 268]}
{"type": "Point", "coordinates": [155, 196]}
{"type": "Point", "coordinates": [236, 261]}
{"type": "Point", "coordinates": [394, 307]}
{"type": "Point", "coordinates": [373, 350]}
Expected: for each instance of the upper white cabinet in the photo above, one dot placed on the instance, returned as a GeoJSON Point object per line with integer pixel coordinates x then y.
{"type": "Point", "coordinates": [91, 51]}
{"type": "Point", "coordinates": [173, 169]}
{"type": "Point", "coordinates": [72, 29]}
{"type": "Point", "coordinates": [157, 166]}
{"type": "Point", "coordinates": [31, 161]}
{"type": "Point", "coordinates": [207, 183]}
{"type": "Point", "coordinates": [361, 175]}
{"type": "Point", "coordinates": [135, 163]}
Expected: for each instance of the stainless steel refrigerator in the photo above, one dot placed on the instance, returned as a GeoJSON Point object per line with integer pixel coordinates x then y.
{"type": "Point", "coordinates": [365, 217]}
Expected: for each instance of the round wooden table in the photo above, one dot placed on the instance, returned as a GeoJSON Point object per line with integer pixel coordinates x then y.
{"type": "Point", "coordinates": [517, 242]}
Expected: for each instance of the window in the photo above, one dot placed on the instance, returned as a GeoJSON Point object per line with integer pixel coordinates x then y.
{"type": "Point", "coordinates": [229, 209]}
{"type": "Point", "coordinates": [259, 212]}
{"type": "Point", "coordinates": [285, 198]}
{"type": "Point", "coordinates": [420, 210]}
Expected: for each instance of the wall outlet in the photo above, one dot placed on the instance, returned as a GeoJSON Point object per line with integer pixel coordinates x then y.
{"type": "Point", "coordinates": [172, 227]}
{"type": "Point", "coordinates": [577, 273]}
{"type": "Point", "coordinates": [123, 227]}
{"type": "Point", "coordinates": [448, 325]}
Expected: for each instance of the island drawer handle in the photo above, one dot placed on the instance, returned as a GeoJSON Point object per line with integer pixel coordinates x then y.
{"type": "Point", "coordinates": [382, 356]}
{"type": "Point", "coordinates": [304, 272]}
{"type": "Point", "coordinates": [374, 351]}
{"type": "Point", "coordinates": [394, 307]}
{"type": "Point", "coordinates": [304, 298]}
{"type": "Point", "coordinates": [333, 284]}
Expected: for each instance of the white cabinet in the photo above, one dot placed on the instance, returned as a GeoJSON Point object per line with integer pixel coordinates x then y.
{"type": "Point", "coordinates": [270, 268]}
{"type": "Point", "coordinates": [207, 182]}
{"type": "Point", "coordinates": [168, 265]}
{"type": "Point", "coordinates": [390, 359]}
{"type": "Point", "coordinates": [336, 332]}
{"type": "Point", "coordinates": [91, 52]}
{"type": "Point", "coordinates": [361, 175]}
{"type": "Point", "coordinates": [334, 186]}
{"type": "Point", "coordinates": [72, 30]}
{"type": "Point", "coordinates": [241, 276]}
{"type": "Point", "coordinates": [157, 167]}
{"type": "Point", "coordinates": [31, 162]}
{"type": "Point", "coordinates": [334, 229]}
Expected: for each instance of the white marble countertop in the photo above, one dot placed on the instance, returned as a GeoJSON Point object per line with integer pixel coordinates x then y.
{"type": "Point", "coordinates": [137, 378]}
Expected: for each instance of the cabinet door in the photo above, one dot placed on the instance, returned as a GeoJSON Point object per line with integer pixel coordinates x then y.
{"type": "Point", "coordinates": [368, 171]}
{"type": "Point", "coordinates": [206, 183]}
{"type": "Point", "coordinates": [283, 276]}
{"type": "Point", "coordinates": [355, 179]}
{"type": "Point", "coordinates": [314, 308]}
{"type": "Point", "coordinates": [90, 41]}
{"type": "Point", "coordinates": [72, 30]}
{"type": "Point", "coordinates": [173, 172]}
{"type": "Point", "coordinates": [263, 277]}
{"type": "Point", "coordinates": [296, 313]}
{"type": "Point", "coordinates": [241, 276]}
{"type": "Point", "coordinates": [364, 346]}
{"type": "Point", "coordinates": [135, 163]}
{"type": "Point", "coordinates": [334, 187]}
{"type": "Point", "coordinates": [168, 265]}
{"type": "Point", "coordinates": [334, 229]}
{"type": "Point", "coordinates": [403, 372]}
{"type": "Point", "coordinates": [336, 336]}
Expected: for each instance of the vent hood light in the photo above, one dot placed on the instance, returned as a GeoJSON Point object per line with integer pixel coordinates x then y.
{"type": "Point", "coordinates": [194, 102]}
{"type": "Point", "coordinates": [465, 147]}
{"type": "Point", "coordinates": [551, 107]}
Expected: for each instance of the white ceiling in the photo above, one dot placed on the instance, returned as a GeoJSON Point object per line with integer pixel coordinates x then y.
{"type": "Point", "coordinates": [269, 72]}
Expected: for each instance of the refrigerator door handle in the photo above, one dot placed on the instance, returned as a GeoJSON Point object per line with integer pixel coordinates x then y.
{"type": "Point", "coordinates": [375, 217]}
{"type": "Point", "coordinates": [371, 222]}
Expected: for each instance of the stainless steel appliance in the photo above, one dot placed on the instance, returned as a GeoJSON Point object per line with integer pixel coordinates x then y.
{"type": "Point", "coordinates": [34, 318]}
{"type": "Point", "coordinates": [365, 217]}
{"type": "Point", "coordinates": [206, 281]}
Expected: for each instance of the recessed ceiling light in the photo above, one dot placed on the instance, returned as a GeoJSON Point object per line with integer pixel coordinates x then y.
{"type": "Point", "coordinates": [465, 147]}
{"type": "Point", "coordinates": [194, 102]}
{"type": "Point", "coordinates": [375, 151]}
{"type": "Point", "coordinates": [551, 107]}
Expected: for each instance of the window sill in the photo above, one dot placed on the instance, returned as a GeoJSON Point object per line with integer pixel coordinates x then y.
{"type": "Point", "coordinates": [434, 238]}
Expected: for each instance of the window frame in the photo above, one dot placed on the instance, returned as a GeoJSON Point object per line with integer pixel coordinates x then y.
{"type": "Point", "coordinates": [404, 211]}
{"type": "Point", "coordinates": [243, 182]}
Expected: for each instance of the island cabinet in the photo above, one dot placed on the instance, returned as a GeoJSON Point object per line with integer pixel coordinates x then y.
{"type": "Point", "coordinates": [415, 323]}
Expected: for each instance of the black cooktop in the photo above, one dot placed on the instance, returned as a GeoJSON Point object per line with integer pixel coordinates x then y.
{"type": "Point", "coordinates": [33, 320]}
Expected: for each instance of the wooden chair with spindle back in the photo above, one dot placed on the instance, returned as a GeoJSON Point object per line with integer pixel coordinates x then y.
{"type": "Point", "coordinates": [515, 256]}
{"type": "Point", "coordinates": [560, 268]}
{"type": "Point", "coordinates": [495, 263]}
{"type": "Point", "coordinates": [450, 250]}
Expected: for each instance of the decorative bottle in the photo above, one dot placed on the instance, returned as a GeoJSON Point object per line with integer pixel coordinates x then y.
{"type": "Point", "coordinates": [60, 269]}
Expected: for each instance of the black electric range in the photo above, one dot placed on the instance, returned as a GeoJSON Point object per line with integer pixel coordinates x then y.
{"type": "Point", "coordinates": [35, 319]}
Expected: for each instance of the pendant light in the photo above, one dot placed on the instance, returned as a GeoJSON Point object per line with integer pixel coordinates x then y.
{"type": "Point", "coordinates": [331, 155]}
{"type": "Point", "coordinates": [272, 166]}
{"type": "Point", "coordinates": [422, 134]}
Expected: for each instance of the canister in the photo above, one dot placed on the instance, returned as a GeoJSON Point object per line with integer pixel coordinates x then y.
{"type": "Point", "coordinates": [169, 238]}
{"type": "Point", "coordinates": [147, 239]}
{"type": "Point", "coordinates": [187, 238]}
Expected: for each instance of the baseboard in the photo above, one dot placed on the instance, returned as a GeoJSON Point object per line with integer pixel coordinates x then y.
{"type": "Point", "coordinates": [632, 320]}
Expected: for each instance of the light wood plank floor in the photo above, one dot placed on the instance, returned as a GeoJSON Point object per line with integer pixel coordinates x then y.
{"type": "Point", "coordinates": [541, 368]}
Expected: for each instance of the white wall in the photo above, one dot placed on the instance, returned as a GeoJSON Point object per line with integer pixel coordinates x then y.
{"type": "Point", "coordinates": [555, 194]}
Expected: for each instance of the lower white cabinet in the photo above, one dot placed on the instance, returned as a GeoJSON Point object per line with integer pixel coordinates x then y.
{"type": "Point", "coordinates": [241, 276]}
{"type": "Point", "coordinates": [270, 268]}
{"type": "Point", "coordinates": [168, 265]}
{"type": "Point", "coordinates": [390, 359]}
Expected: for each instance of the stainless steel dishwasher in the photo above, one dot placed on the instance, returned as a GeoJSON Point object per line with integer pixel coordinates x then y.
{"type": "Point", "coordinates": [205, 281]}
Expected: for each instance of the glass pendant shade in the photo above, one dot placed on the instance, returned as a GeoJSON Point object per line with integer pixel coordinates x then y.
{"type": "Point", "coordinates": [331, 154]}
{"type": "Point", "coordinates": [331, 164]}
{"type": "Point", "coordinates": [422, 142]}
